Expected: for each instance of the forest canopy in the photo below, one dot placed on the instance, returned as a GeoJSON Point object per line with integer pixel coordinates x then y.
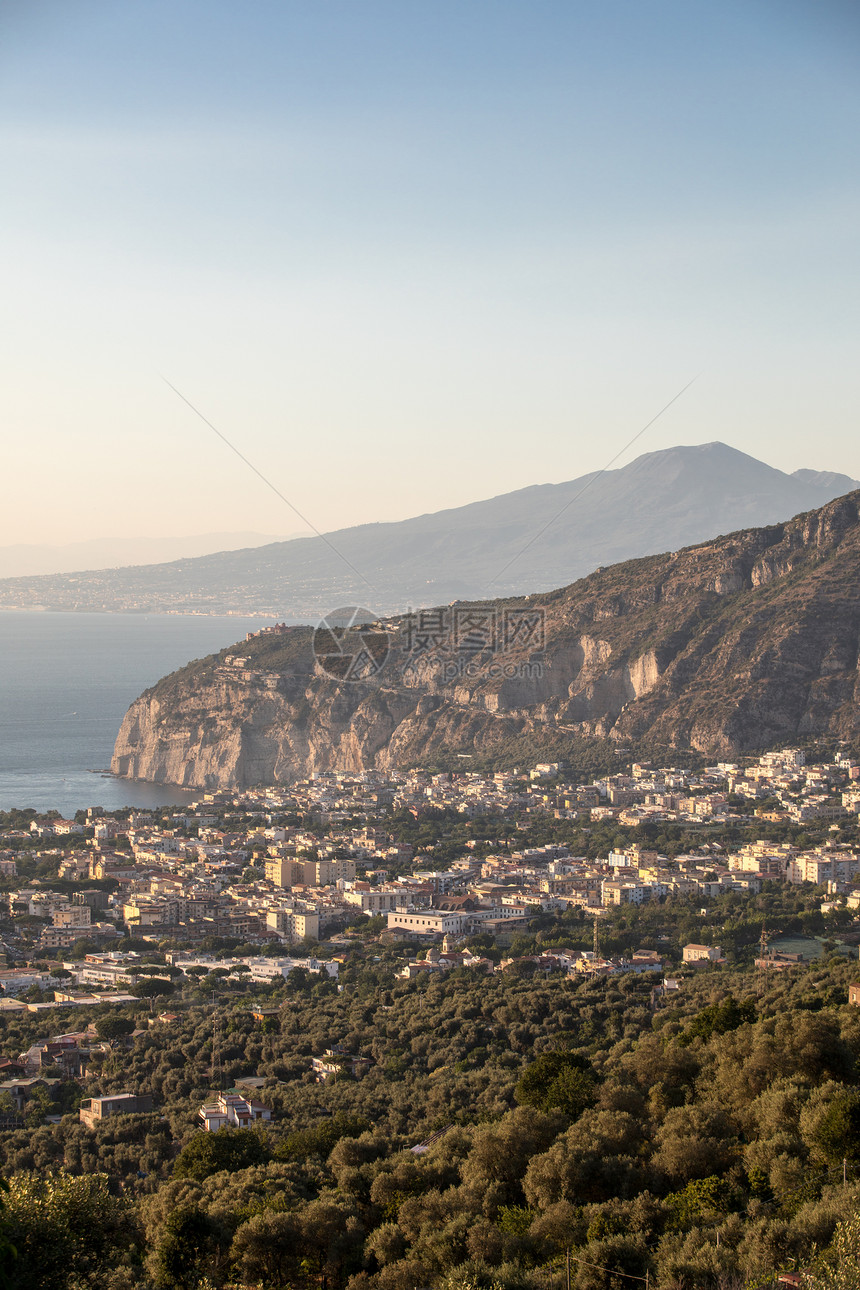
{"type": "Point", "coordinates": [502, 1123]}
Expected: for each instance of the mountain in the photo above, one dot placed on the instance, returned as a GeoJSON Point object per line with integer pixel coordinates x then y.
{"type": "Point", "coordinates": [726, 646]}
{"type": "Point", "coordinates": [532, 539]}
{"type": "Point", "coordinates": [827, 479]}
{"type": "Point", "coordinates": [24, 559]}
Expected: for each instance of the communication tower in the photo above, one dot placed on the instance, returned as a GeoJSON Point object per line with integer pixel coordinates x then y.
{"type": "Point", "coordinates": [217, 1072]}
{"type": "Point", "coordinates": [763, 961]}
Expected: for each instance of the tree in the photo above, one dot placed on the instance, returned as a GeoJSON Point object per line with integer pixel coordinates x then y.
{"type": "Point", "coordinates": [82, 948]}
{"type": "Point", "coordinates": [39, 1104]}
{"type": "Point", "coordinates": [596, 1158]}
{"type": "Point", "coordinates": [694, 1142]}
{"type": "Point", "coordinates": [209, 1153]}
{"type": "Point", "coordinates": [151, 988]}
{"type": "Point", "coordinates": [113, 1027]}
{"type": "Point", "coordinates": [321, 1138]}
{"type": "Point", "coordinates": [558, 1082]}
{"type": "Point", "coordinates": [701, 1198]}
{"type": "Point", "coordinates": [265, 1249]}
{"type": "Point", "coordinates": [840, 1268]}
{"type": "Point", "coordinates": [61, 1230]}
{"type": "Point", "coordinates": [500, 1152]}
{"type": "Point", "coordinates": [186, 1249]}
{"type": "Point", "coordinates": [837, 1129]}
{"type": "Point", "coordinates": [719, 1019]}
{"type": "Point", "coordinates": [330, 1234]}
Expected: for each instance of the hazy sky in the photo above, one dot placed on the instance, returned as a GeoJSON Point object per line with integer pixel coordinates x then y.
{"type": "Point", "coordinates": [408, 255]}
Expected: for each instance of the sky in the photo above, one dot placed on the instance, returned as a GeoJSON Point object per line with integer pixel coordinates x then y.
{"type": "Point", "coordinates": [405, 256]}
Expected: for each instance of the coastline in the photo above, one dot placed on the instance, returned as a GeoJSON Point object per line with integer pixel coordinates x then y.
{"type": "Point", "coordinates": [69, 680]}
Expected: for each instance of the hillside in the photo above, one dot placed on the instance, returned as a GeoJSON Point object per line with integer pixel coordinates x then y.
{"type": "Point", "coordinates": [530, 540]}
{"type": "Point", "coordinates": [720, 647]}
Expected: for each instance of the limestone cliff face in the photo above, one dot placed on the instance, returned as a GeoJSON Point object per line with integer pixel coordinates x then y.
{"type": "Point", "coordinates": [725, 646]}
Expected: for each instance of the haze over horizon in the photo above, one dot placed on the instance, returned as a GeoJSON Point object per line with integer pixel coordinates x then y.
{"type": "Point", "coordinates": [406, 258]}
{"type": "Point", "coordinates": [527, 541]}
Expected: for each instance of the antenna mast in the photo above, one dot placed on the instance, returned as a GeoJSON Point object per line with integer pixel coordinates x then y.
{"type": "Point", "coordinates": [217, 1074]}
{"type": "Point", "coordinates": [762, 960]}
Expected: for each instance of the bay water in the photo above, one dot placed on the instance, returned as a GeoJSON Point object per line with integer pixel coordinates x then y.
{"type": "Point", "coordinates": [66, 681]}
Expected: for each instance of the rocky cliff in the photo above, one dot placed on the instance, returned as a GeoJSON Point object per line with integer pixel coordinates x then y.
{"type": "Point", "coordinates": [726, 646]}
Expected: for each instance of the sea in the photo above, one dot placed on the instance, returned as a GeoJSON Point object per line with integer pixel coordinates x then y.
{"type": "Point", "coordinates": [66, 681]}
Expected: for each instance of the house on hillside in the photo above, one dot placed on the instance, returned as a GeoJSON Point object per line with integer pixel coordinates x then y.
{"type": "Point", "coordinates": [54, 1054]}
{"type": "Point", "coordinates": [699, 954]}
{"type": "Point", "coordinates": [20, 1090]}
{"type": "Point", "coordinates": [231, 1110]}
{"type": "Point", "coordinates": [99, 1108]}
{"type": "Point", "coordinates": [337, 1061]}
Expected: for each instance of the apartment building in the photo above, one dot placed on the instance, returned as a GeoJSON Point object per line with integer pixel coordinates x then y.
{"type": "Point", "coordinates": [293, 925]}
{"type": "Point", "coordinates": [428, 922]}
{"type": "Point", "coordinates": [375, 900]}
{"type": "Point", "coordinates": [822, 867]}
{"type": "Point", "coordinates": [614, 892]}
{"type": "Point", "coordinates": [289, 871]}
{"type": "Point", "coordinates": [71, 915]}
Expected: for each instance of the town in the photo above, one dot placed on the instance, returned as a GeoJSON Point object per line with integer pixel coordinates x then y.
{"type": "Point", "coordinates": [290, 978]}
{"type": "Point", "coordinates": [275, 876]}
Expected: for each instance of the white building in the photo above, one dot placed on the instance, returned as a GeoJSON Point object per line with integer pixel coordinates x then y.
{"type": "Point", "coordinates": [428, 922]}
{"type": "Point", "coordinates": [293, 925]}
{"type": "Point", "coordinates": [15, 980]}
{"type": "Point", "coordinates": [702, 954]}
{"type": "Point", "coordinates": [232, 1111]}
{"type": "Point", "coordinates": [376, 900]}
{"type": "Point", "coordinates": [260, 969]}
{"type": "Point", "coordinates": [823, 867]}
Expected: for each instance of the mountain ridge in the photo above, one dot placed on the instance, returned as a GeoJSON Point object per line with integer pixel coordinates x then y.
{"type": "Point", "coordinates": [501, 545]}
{"type": "Point", "coordinates": [722, 647]}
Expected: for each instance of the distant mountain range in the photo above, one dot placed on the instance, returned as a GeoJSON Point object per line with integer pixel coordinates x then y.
{"type": "Point", "coordinates": [530, 540]}
{"type": "Point", "coordinates": [25, 559]}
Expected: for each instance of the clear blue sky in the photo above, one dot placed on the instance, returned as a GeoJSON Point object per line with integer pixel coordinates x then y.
{"type": "Point", "coordinates": [409, 255]}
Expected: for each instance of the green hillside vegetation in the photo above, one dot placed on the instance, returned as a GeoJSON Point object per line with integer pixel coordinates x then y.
{"type": "Point", "coordinates": [699, 1138]}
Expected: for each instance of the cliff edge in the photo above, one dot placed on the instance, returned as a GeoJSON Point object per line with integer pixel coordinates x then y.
{"type": "Point", "coordinates": [726, 646]}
